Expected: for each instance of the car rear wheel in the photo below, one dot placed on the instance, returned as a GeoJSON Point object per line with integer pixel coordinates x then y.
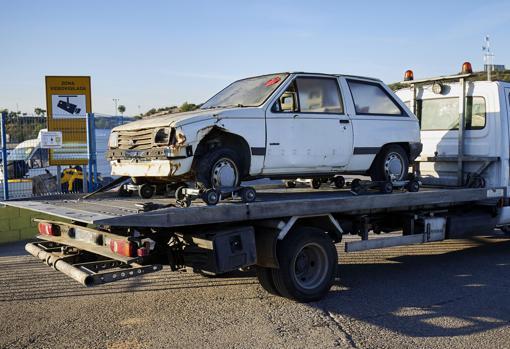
{"type": "Point", "coordinates": [391, 164]}
{"type": "Point", "coordinates": [219, 169]}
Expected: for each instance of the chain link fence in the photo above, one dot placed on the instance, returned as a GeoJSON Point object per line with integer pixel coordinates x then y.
{"type": "Point", "coordinates": [30, 169]}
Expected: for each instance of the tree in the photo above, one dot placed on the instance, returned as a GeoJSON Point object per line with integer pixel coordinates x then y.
{"type": "Point", "coordinates": [39, 111]}
{"type": "Point", "coordinates": [187, 107]}
{"type": "Point", "coordinates": [121, 109]}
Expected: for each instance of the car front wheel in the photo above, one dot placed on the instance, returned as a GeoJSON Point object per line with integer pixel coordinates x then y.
{"type": "Point", "coordinates": [218, 169]}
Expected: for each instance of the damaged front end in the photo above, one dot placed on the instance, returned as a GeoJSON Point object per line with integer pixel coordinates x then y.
{"type": "Point", "coordinates": [151, 152]}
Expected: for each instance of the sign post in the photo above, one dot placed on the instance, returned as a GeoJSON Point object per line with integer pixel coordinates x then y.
{"type": "Point", "coordinates": [68, 100]}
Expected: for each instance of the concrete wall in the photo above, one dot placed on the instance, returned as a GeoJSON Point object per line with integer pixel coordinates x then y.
{"type": "Point", "coordinates": [16, 224]}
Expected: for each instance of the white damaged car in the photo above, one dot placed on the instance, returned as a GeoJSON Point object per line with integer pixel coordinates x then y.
{"type": "Point", "coordinates": [281, 126]}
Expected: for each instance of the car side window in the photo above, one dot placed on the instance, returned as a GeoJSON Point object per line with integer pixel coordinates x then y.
{"type": "Point", "coordinates": [371, 99]}
{"type": "Point", "coordinates": [319, 95]}
{"type": "Point", "coordinates": [311, 95]}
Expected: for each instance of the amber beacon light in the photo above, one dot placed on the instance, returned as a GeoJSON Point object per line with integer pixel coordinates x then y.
{"type": "Point", "coordinates": [466, 68]}
{"type": "Point", "coordinates": [408, 75]}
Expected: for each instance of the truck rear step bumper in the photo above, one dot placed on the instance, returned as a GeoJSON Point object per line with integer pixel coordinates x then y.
{"type": "Point", "coordinates": [88, 273]}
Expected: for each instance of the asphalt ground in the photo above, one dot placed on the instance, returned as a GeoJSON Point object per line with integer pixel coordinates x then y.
{"type": "Point", "coordinates": [452, 294]}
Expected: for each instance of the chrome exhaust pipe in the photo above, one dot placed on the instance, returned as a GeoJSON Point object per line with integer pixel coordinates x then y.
{"type": "Point", "coordinates": [59, 264]}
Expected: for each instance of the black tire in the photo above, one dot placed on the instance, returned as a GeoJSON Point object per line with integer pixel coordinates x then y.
{"type": "Point", "coordinates": [316, 183]}
{"type": "Point", "coordinates": [413, 186]}
{"type": "Point", "coordinates": [310, 249]}
{"type": "Point", "coordinates": [339, 182]}
{"type": "Point", "coordinates": [265, 277]}
{"type": "Point", "coordinates": [179, 193]}
{"type": "Point", "coordinates": [123, 192]}
{"type": "Point", "coordinates": [211, 197]}
{"type": "Point", "coordinates": [248, 194]}
{"type": "Point", "coordinates": [386, 188]}
{"type": "Point", "coordinates": [290, 184]}
{"type": "Point", "coordinates": [356, 186]}
{"type": "Point", "coordinates": [380, 167]}
{"type": "Point", "coordinates": [146, 191]}
{"type": "Point", "coordinates": [206, 164]}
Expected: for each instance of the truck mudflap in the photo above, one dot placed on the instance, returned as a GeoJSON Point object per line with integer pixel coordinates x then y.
{"type": "Point", "coordinates": [85, 267]}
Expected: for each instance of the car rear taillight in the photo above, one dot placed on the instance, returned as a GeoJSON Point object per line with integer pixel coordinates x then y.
{"type": "Point", "coordinates": [123, 247]}
{"type": "Point", "coordinates": [48, 229]}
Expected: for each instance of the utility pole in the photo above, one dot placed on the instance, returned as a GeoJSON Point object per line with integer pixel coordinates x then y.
{"type": "Point", "coordinates": [488, 57]}
{"type": "Point", "coordinates": [115, 100]}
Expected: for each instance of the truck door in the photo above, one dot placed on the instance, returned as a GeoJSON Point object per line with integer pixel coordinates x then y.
{"type": "Point", "coordinates": [439, 122]}
{"type": "Point", "coordinates": [307, 128]}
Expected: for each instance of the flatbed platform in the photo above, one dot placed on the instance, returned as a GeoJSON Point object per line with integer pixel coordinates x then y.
{"type": "Point", "coordinates": [110, 209]}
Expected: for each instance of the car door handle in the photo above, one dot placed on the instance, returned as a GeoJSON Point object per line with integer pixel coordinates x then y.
{"type": "Point", "coordinates": [343, 121]}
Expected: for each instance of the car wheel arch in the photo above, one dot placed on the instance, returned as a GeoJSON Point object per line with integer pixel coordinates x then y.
{"type": "Point", "coordinates": [213, 136]}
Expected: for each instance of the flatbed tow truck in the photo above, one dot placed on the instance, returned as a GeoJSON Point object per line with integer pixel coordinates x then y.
{"type": "Point", "coordinates": [287, 235]}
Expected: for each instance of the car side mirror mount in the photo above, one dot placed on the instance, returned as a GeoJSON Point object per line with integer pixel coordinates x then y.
{"type": "Point", "coordinates": [288, 102]}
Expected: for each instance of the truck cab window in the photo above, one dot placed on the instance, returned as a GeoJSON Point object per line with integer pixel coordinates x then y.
{"type": "Point", "coordinates": [442, 114]}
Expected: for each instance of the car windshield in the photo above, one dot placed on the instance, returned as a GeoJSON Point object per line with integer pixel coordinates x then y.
{"type": "Point", "coordinates": [250, 92]}
{"type": "Point", "coordinates": [20, 154]}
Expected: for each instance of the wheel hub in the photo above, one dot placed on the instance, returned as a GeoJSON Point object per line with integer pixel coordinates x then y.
{"type": "Point", "coordinates": [309, 266]}
{"type": "Point", "coordinates": [224, 174]}
{"type": "Point", "coordinates": [394, 166]}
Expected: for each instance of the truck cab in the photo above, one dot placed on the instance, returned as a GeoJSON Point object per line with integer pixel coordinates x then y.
{"type": "Point", "coordinates": [474, 153]}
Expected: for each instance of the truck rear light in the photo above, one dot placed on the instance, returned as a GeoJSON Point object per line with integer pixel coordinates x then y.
{"type": "Point", "coordinates": [123, 247]}
{"type": "Point", "coordinates": [466, 68]}
{"type": "Point", "coordinates": [48, 229]}
{"type": "Point", "coordinates": [408, 75]}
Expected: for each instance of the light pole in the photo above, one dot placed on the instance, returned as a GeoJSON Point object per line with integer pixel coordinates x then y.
{"type": "Point", "coordinates": [115, 100]}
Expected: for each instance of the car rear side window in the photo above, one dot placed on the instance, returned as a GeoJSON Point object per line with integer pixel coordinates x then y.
{"type": "Point", "coordinates": [442, 114]}
{"type": "Point", "coordinates": [319, 95]}
{"type": "Point", "coordinates": [371, 99]}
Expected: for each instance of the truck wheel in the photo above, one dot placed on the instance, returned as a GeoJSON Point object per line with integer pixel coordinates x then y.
{"type": "Point", "coordinates": [308, 260]}
{"type": "Point", "coordinates": [146, 191]}
{"type": "Point", "coordinates": [391, 164]}
{"type": "Point", "coordinates": [219, 169]}
{"type": "Point", "coordinates": [265, 277]}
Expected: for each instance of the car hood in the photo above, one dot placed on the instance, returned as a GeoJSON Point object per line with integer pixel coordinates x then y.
{"type": "Point", "coordinates": [168, 120]}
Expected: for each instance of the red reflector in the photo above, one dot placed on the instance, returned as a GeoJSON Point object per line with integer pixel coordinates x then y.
{"type": "Point", "coordinates": [142, 252]}
{"type": "Point", "coordinates": [47, 229]}
{"type": "Point", "coordinates": [272, 81]}
{"type": "Point", "coordinates": [123, 247]}
{"type": "Point", "coordinates": [466, 68]}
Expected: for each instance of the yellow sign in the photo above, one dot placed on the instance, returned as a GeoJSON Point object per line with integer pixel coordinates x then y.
{"type": "Point", "coordinates": [68, 100]}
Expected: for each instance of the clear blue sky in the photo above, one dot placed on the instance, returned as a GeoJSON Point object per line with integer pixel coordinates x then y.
{"type": "Point", "coordinates": [162, 53]}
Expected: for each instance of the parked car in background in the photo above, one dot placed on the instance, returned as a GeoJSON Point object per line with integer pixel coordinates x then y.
{"type": "Point", "coordinates": [281, 126]}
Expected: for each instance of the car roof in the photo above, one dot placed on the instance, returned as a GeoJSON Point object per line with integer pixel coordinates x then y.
{"type": "Point", "coordinates": [312, 73]}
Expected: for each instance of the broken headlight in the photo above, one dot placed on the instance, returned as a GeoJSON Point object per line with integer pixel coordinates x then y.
{"type": "Point", "coordinates": [162, 136]}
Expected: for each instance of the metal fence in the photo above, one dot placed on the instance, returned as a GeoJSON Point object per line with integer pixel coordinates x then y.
{"type": "Point", "coordinates": [28, 169]}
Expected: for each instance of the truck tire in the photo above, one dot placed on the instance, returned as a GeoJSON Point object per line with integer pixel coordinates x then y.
{"type": "Point", "coordinates": [265, 277]}
{"type": "Point", "coordinates": [307, 259]}
{"type": "Point", "coordinates": [218, 168]}
{"type": "Point", "coordinates": [392, 163]}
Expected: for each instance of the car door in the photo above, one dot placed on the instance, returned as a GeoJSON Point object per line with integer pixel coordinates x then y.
{"type": "Point", "coordinates": [307, 128]}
